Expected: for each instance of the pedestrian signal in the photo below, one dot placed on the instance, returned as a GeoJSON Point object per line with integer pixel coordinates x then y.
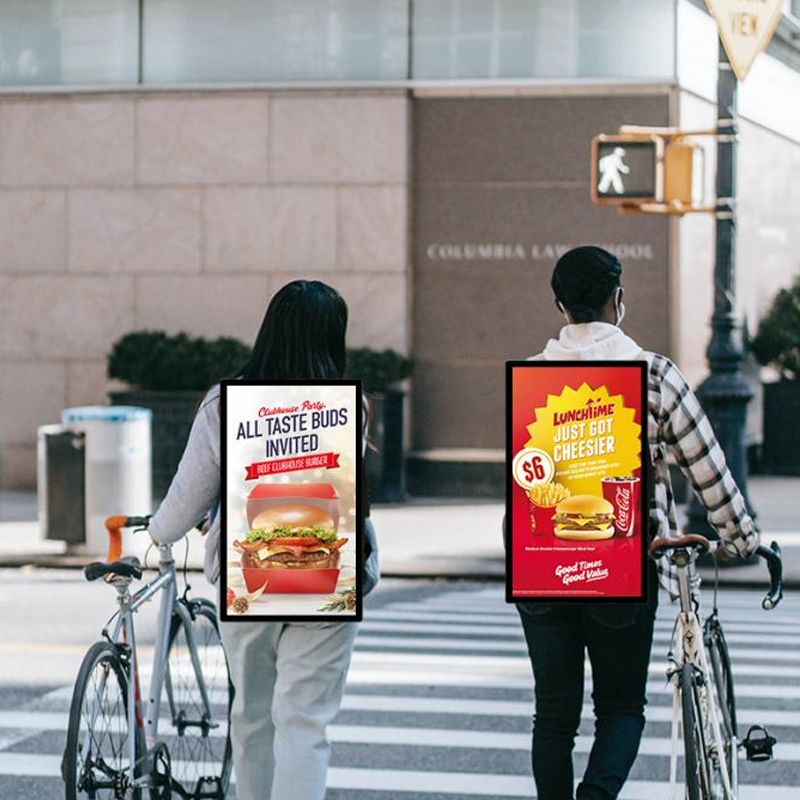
{"type": "Point", "coordinates": [627, 169]}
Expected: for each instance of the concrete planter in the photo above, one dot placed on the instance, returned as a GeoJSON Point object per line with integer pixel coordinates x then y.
{"type": "Point", "coordinates": [386, 469]}
{"type": "Point", "coordinates": [173, 413]}
{"type": "Point", "coordinates": [781, 450]}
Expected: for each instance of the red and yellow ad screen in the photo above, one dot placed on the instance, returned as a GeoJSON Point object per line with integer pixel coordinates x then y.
{"type": "Point", "coordinates": [575, 494]}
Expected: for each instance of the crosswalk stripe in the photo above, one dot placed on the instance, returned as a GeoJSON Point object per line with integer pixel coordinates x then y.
{"type": "Point", "coordinates": [32, 722]}
{"type": "Point", "coordinates": [665, 609]}
{"type": "Point", "coordinates": [518, 708]}
{"type": "Point", "coordinates": [415, 643]}
{"type": "Point", "coordinates": [493, 740]}
{"type": "Point", "coordinates": [515, 632]}
{"type": "Point", "coordinates": [470, 662]}
{"type": "Point", "coordinates": [525, 682]}
{"type": "Point", "coordinates": [512, 621]}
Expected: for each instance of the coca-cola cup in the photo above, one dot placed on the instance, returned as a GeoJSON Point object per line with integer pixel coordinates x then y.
{"type": "Point", "coordinates": [623, 494]}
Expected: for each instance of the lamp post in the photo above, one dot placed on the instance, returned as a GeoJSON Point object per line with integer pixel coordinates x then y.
{"type": "Point", "coordinates": [724, 394]}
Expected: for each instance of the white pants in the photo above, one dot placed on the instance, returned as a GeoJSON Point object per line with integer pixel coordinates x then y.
{"type": "Point", "coordinates": [289, 680]}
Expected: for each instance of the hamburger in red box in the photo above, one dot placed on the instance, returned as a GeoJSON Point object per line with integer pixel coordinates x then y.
{"type": "Point", "coordinates": [293, 541]}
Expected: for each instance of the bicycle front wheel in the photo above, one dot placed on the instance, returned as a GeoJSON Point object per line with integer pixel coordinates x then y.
{"type": "Point", "coordinates": [723, 674]}
{"type": "Point", "coordinates": [693, 736]}
{"type": "Point", "coordinates": [96, 760]}
{"type": "Point", "coordinates": [724, 694]}
{"type": "Point", "coordinates": [198, 736]}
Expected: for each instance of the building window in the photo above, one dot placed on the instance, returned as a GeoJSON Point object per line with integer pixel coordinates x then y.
{"type": "Point", "coordinates": [47, 42]}
{"type": "Point", "coordinates": [274, 40]}
{"type": "Point", "coordinates": [547, 38]}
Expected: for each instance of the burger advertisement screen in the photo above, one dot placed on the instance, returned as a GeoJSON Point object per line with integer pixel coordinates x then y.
{"type": "Point", "coordinates": [291, 520]}
{"type": "Point", "coordinates": [575, 497]}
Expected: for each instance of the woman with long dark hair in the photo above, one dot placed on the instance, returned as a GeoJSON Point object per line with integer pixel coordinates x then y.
{"type": "Point", "coordinates": [288, 677]}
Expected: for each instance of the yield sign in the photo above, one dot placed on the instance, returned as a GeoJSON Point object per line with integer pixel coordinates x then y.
{"type": "Point", "coordinates": [745, 27]}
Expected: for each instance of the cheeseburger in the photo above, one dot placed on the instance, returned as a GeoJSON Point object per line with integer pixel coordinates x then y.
{"type": "Point", "coordinates": [291, 537]}
{"type": "Point", "coordinates": [584, 517]}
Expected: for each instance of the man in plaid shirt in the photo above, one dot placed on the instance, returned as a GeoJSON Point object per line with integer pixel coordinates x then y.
{"type": "Point", "coordinates": [618, 636]}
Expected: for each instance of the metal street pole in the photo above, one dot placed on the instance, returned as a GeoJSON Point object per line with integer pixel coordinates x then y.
{"type": "Point", "coordinates": [724, 394]}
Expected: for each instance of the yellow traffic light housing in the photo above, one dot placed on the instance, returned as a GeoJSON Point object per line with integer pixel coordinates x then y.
{"type": "Point", "coordinates": [680, 176]}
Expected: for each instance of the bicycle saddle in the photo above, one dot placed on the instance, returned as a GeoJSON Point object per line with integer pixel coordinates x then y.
{"type": "Point", "coordinates": [127, 567]}
{"type": "Point", "coordinates": [659, 547]}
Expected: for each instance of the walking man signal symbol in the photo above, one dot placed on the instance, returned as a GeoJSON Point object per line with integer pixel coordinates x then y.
{"type": "Point", "coordinates": [612, 167]}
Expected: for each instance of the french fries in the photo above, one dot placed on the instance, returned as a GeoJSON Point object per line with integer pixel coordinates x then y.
{"type": "Point", "coordinates": [547, 494]}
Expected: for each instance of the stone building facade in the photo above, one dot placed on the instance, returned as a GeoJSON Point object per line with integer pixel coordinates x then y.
{"type": "Point", "coordinates": [184, 212]}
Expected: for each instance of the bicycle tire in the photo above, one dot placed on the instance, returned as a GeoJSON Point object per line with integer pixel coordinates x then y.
{"type": "Point", "coordinates": [185, 748]}
{"type": "Point", "coordinates": [100, 653]}
{"type": "Point", "coordinates": [723, 672]}
{"type": "Point", "coordinates": [692, 734]}
{"type": "Point", "coordinates": [717, 648]}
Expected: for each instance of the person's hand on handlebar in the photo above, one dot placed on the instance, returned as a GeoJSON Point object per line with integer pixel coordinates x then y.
{"type": "Point", "coordinates": [735, 542]}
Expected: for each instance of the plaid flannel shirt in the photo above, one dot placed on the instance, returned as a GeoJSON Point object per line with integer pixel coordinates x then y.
{"type": "Point", "coordinates": [678, 426]}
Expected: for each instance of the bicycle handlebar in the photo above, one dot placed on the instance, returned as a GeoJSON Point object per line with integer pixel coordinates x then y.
{"type": "Point", "coordinates": [114, 526]}
{"type": "Point", "coordinates": [116, 523]}
{"type": "Point", "coordinates": [772, 555]}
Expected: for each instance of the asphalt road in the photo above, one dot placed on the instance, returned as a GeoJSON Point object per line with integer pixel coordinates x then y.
{"type": "Point", "coordinates": [439, 698]}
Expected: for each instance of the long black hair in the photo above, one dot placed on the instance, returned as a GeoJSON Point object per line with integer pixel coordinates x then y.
{"type": "Point", "coordinates": [302, 334]}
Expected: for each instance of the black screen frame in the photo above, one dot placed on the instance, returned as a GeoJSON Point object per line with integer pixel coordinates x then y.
{"type": "Point", "coordinates": [322, 616]}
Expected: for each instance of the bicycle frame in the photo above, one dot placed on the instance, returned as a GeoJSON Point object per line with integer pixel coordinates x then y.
{"type": "Point", "coordinates": [687, 641]}
{"type": "Point", "coordinates": [124, 635]}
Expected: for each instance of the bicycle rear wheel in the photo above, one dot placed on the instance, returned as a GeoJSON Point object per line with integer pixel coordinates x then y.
{"type": "Point", "coordinates": [199, 742]}
{"type": "Point", "coordinates": [96, 760]}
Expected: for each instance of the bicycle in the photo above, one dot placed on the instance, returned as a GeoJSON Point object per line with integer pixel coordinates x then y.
{"type": "Point", "coordinates": [119, 747]}
{"type": "Point", "coordinates": [704, 702]}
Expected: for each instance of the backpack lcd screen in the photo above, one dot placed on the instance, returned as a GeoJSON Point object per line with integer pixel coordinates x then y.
{"type": "Point", "coordinates": [291, 513]}
{"type": "Point", "coordinates": [576, 499]}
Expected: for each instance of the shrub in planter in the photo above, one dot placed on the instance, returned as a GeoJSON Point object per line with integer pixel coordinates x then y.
{"type": "Point", "coordinates": [777, 344]}
{"type": "Point", "coordinates": [170, 374]}
{"type": "Point", "coordinates": [380, 371]}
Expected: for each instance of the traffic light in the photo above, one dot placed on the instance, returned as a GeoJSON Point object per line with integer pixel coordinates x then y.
{"type": "Point", "coordinates": [658, 172]}
{"type": "Point", "coordinates": [627, 169]}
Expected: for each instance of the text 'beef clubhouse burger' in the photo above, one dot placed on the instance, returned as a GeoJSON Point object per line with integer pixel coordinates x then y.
{"type": "Point", "coordinates": [584, 517]}
{"type": "Point", "coordinates": [291, 537]}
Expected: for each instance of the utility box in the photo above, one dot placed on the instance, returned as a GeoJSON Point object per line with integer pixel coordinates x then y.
{"type": "Point", "coordinates": [60, 477]}
{"type": "Point", "coordinates": [117, 469]}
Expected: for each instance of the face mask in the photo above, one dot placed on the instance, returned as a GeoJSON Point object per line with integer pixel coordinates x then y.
{"type": "Point", "coordinates": [620, 310]}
